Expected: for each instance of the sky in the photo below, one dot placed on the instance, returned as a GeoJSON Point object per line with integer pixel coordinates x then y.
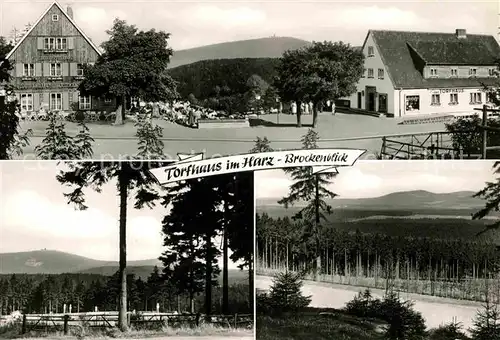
{"type": "Point", "coordinates": [198, 23]}
{"type": "Point", "coordinates": [378, 178]}
{"type": "Point", "coordinates": [34, 215]}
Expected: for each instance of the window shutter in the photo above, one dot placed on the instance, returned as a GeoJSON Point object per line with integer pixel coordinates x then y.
{"type": "Point", "coordinates": [72, 69]}
{"type": "Point", "coordinates": [19, 70]}
{"type": "Point", "coordinates": [65, 101]}
{"type": "Point", "coordinates": [65, 69]}
{"type": "Point", "coordinates": [36, 101]}
{"type": "Point", "coordinates": [71, 43]}
{"type": "Point", "coordinates": [38, 69]}
{"type": "Point", "coordinates": [46, 69]}
{"type": "Point", "coordinates": [41, 43]}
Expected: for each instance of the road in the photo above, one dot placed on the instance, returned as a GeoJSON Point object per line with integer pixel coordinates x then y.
{"type": "Point", "coordinates": [214, 337]}
{"type": "Point", "coordinates": [435, 310]}
{"type": "Point", "coordinates": [342, 130]}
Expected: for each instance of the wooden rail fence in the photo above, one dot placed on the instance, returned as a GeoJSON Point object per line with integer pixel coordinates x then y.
{"type": "Point", "coordinates": [62, 322]}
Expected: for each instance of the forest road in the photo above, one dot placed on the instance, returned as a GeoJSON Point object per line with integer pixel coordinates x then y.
{"type": "Point", "coordinates": [435, 310]}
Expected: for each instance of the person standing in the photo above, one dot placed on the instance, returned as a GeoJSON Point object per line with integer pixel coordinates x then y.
{"type": "Point", "coordinates": [333, 107]}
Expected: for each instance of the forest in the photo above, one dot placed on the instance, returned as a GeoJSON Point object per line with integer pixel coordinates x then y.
{"type": "Point", "coordinates": [448, 267]}
{"type": "Point", "coordinates": [202, 77]}
{"type": "Point", "coordinates": [48, 293]}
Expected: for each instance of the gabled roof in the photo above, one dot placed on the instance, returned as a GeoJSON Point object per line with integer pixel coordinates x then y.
{"type": "Point", "coordinates": [405, 53]}
{"type": "Point", "coordinates": [55, 3]}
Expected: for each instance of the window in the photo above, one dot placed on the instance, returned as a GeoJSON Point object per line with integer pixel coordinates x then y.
{"type": "Point", "coordinates": [79, 70]}
{"type": "Point", "coordinates": [55, 70]}
{"type": "Point", "coordinates": [55, 17]}
{"type": "Point", "coordinates": [56, 101]}
{"type": "Point", "coordinates": [107, 100]}
{"type": "Point", "coordinates": [85, 103]}
{"type": "Point", "coordinates": [380, 73]}
{"type": "Point", "coordinates": [29, 70]}
{"type": "Point", "coordinates": [434, 72]}
{"type": "Point", "coordinates": [50, 43]}
{"type": "Point", "coordinates": [491, 72]}
{"type": "Point", "coordinates": [472, 72]}
{"type": "Point", "coordinates": [26, 102]}
{"type": "Point", "coordinates": [436, 99]}
{"type": "Point", "coordinates": [412, 103]}
{"type": "Point", "coordinates": [370, 73]}
{"type": "Point", "coordinates": [371, 51]}
{"type": "Point", "coordinates": [490, 97]}
{"type": "Point", "coordinates": [364, 73]}
{"type": "Point", "coordinates": [475, 98]}
{"type": "Point", "coordinates": [454, 72]}
{"type": "Point", "coordinates": [59, 44]}
{"type": "Point", "coordinates": [453, 98]}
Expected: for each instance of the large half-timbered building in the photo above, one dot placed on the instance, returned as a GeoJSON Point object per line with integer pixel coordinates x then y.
{"type": "Point", "coordinates": [48, 64]}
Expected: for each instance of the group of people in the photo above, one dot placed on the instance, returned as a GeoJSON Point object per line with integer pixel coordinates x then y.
{"type": "Point", "coordinates": [307, 108]}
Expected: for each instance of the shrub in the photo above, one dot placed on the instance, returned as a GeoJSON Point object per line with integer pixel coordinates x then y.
{"type": "Point", "coordinates": [487, 323]}
{"type": "Point", "coordinates": [451, 331]}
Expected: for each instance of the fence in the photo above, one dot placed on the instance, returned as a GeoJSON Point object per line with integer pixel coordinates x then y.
{"type": "Point", "coordinates": [464, 289]}
{"type": "Point", "coordinates": [63, 322]}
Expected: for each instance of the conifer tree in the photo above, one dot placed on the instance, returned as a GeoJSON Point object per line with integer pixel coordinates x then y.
{"type": "Point", "coordinates": [486, 326]}
{"type": "Point", "coordinates": [310, 188]}
{"type": "Point", "coordinates": [286, 294]}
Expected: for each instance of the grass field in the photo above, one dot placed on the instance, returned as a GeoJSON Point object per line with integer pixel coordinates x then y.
{"type": "Point", "coordinates": [335, 131]}
{"type": "Point", "coordinates": [310, 325]}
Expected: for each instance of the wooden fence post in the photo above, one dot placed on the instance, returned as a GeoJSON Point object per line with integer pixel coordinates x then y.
{"type": "Point", "coordinates": [23, 329]}
{"type": "Point", "coordinates": [66, 319]}
{"type": "Point", "coordinates": [236, 320]}
{"type": "Point", "coordinates": [128, 319]}
{"type": "Point", "coordinates": [485, 131]}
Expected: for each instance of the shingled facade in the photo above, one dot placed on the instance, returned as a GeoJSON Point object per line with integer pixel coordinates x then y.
{"type": "Point", "coordinates": [48, 64]}
{"type": "Point", "coordinates": [416, 73]}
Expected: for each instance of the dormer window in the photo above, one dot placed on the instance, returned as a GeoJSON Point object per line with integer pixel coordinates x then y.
{"type": "Point", "coordinates": [371, 51]}
{"type": "Point", "coordinates": [434, 72]}
{"type": "Point", "coordinates": [472, 72]}
{"type": "Point", "coordinates": [55, 17]}
{"type": "Point", "coordinates": [454, 72]}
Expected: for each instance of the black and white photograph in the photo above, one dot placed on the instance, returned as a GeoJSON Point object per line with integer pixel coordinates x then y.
{"type": "Point", "coordinates": [115, 79]}
{"type": "Point", "coordinates": [380, 250]}
{"type": "Point", "coordinates": [100, 250]}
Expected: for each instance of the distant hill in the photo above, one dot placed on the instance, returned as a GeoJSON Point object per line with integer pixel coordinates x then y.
{"type": "Point", "coordinates": [254, 48]}
{"type": "Point", "coordinates": [55, 262]}
{"type": "Point", "coordinates": [414, 200]}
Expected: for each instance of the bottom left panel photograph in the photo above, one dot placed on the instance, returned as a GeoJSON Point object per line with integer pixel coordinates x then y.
{"type": "Point", "coordinates": [103, 249]}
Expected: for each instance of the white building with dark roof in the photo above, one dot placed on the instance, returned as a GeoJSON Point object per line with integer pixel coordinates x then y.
{"type": "Point", "coordinates": [418, 73]}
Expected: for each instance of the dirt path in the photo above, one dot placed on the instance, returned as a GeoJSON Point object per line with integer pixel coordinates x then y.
{"type": "Point", "coordinates": [435, 310]}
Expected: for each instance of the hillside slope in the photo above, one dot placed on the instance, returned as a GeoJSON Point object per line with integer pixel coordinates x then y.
{"type": "Point", "coordinates": [254, 48]}
{"type": "Point", "coordinates": [55, 262]}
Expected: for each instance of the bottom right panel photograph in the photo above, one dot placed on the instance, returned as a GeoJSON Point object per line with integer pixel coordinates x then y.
{"type": "Point", "coordinates": [379, 250]}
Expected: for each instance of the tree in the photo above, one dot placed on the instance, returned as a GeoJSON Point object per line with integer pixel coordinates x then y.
{"type": "Point", "coordinates": [134, 63]}
{"type": "Point", "coordinates": [11, 141]}
{"type": "Point", "coordinates": [319, 72]}
{"type": "Point", "coordinates": [261, 145]}
{"type": "Point", "coordinates": [286, 294]}
{"type": "Point", "coordinates": [490, 193]}
{"type": "Point", "coordinates": [487, 323]}
{"type": "Point", "coordinates": [132, 178]}
{"type": "Point", "coordinates": [150, 143]}
{"type": "Point", "coordinates": [311, 188]}
{"type": "Point", "coordinates": [58, 145]}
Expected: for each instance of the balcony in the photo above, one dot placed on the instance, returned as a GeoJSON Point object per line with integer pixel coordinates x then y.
{"type": "Point", "coordinates": [54, 78]}
{"type": "Point", "coordinates": [28, 78]}
{"type": "Point", "coordinates": [78, 77]}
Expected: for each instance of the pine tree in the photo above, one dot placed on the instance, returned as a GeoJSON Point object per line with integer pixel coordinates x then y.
{"type": "Point", "coordinates": [286, 295]}
{"type": "Point", "coordinates": [261, 145]}
{"type": "Point", "coordinates": [57, 144]}
{"type": "Point", "coordinates": [311, 188]}
{"type": "Point", "coordinates": [487, 323]}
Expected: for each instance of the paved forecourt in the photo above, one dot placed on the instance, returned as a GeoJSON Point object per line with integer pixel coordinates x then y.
{"type": "Point", "coordinates": [341, 130]}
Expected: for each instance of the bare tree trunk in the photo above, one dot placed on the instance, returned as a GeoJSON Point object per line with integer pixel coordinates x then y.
{"type": "Point", "coordinates": [122, 312]}
{"type": "Point", "coordinates": [225, 272]}
{"type": "Point", "coordinates": [208, 274]}
{"type": "Point", "coordinates": [315, 115]}
{"type": "Point", "coordinates": [299, 114]}
{"type": "Point", "coordinates": [316, 227]}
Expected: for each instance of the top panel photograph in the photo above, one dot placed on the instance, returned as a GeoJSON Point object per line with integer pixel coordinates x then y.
{"type": "Point", "coordinates": [150, 80]}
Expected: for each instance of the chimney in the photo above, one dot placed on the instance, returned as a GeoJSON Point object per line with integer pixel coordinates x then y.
{"type": "Point", "coordinates": [69, 10]}
{"type": "Point", "coordinates": [461, 33]}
